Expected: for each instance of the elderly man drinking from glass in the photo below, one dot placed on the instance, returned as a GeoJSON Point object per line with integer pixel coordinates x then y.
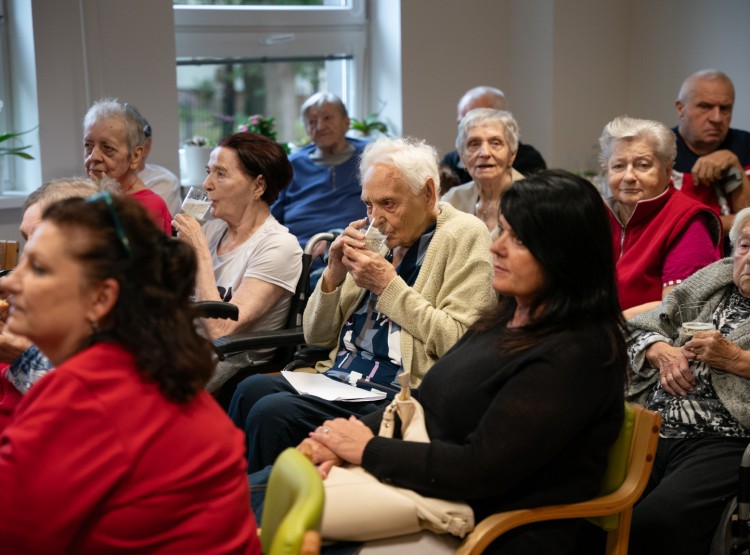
{"type": "Point", "coordinates": [379, 315]}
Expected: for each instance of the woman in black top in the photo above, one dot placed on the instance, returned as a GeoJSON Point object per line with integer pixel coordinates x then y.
{"type": "Point", "coordinates": [522, 411]}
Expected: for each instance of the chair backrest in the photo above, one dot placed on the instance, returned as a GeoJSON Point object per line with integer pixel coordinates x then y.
{"type": "Point", "coordinates": [293, 504]}
{"type": "Point", "coordinates": [641, 450]}
{"type": "Point", "coordinates": [302, 292]}
{"type": "Point", "coordinates": [8, 255]}
{"type": "Point", "coordinates": [617, 466]}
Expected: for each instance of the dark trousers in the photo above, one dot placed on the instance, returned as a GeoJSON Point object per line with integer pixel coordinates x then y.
{"type": "Point", "coordinates": [692, 481]}
{"type": "Point", "coordinates": [274, 416]}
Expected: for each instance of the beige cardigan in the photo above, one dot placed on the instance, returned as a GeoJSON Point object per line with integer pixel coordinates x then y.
{"type": "Point", "coordinates": [453, 285]}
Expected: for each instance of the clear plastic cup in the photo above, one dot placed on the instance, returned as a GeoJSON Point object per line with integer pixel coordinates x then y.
{"type": "Point", "coordinates": [196, 203]}
{"type": "Point", "coordinates": [694, 318]}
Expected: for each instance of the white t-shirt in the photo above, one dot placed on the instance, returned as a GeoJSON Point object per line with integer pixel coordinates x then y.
{"type": "Point", "coordinates": [165, 184]}
{"type": "Point", "coordinates": [271, 254]}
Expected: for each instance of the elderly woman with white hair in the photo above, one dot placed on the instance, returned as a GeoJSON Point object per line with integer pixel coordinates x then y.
{"type": "Point", "coordinates": [487, 144]}
{"type": "Point", "coordinates": [660, 236]}
{"type": "Point", "coordinates": [700, 385]}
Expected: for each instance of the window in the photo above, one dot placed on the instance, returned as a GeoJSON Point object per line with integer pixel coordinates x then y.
{"type": "Point", "coordinates": [18, 94]}
{"type": "Point", "coordinates": [234, 61]}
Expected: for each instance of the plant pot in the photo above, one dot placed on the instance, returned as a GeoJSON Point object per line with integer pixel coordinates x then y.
{"type": "Point", "coordinates": [196, 160]}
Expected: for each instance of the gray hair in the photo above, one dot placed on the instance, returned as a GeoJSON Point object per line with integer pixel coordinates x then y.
{"type": "Point", "coordinates": [110, 108]}
{"type": "Point", "coordinates": [59, 189]}
{"type": "Point", "coordinates": [624, 128]}
{"type": "Point", "coordinates": [741, 219]}
{"type": "Point", "coordinates": [415, 160]}
{"type": "Point", "coordinates": [703, 75]}
{"type": "Point", "coordinates": [319, 99]}
{"type": "Point", "coordinates": [483, 116]}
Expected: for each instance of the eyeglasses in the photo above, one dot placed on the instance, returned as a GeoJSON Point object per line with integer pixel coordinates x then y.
{"type": "Point", "coordinates": [107, 198]}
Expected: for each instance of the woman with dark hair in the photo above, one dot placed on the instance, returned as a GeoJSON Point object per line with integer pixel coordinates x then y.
{"type": "Point", "coordinates": [522, 411]}
{"type": "Point", "coordinates": [119, 449]}
{"type": "Point", "coordinates": [244, 255]}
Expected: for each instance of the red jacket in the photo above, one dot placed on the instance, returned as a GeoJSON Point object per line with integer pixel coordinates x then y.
{"type": "Point", "coordinates": [641, 246]}
{"type": "Point", "coordinates": [97, 460]}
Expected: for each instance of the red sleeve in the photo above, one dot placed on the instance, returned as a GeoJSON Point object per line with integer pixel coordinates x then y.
{"type": "Point", "coordinates": [692, 250]}
{"type": "Point", "coordinates": [58, 459]}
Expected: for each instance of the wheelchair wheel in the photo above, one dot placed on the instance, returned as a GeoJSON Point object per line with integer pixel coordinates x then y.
{"type": "Point", "coordinates": [732, 537]}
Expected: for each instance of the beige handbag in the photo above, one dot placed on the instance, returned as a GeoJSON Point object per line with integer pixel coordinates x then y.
{"type": "Point", "coordinates": [359, 507]}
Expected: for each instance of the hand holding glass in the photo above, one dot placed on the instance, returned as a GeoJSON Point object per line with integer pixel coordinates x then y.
{"type": "Point", "coordinates": [694, 319]}
{"type": "Point", "coordinates": [196, 203]}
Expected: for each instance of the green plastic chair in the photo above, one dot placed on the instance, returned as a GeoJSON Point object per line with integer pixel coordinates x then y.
{"type": "Point", "coordinates": [293, 507]}
{"type": "Point", "coordinates": [631, 458]}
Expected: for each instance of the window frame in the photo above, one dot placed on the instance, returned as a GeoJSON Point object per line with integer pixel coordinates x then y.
{"type": "Point", "coordinates": [279, 32]}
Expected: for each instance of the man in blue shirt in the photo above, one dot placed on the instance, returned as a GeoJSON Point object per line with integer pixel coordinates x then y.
{"type": "Point", "coordinates": [325, 191]}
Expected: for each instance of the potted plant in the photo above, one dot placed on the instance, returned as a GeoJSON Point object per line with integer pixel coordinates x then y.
{"type": "Point", "coordinates": [197, 152]}
{"type": "Point", "coordinates": [263, 126]}
{"type": "Point", "coordinates": [19, 151]}
{"type": "Point", "coordinates": [368, 125]}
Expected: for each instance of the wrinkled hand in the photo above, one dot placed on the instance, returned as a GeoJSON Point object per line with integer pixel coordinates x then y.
{"type": "Point", "coordinates": [189, 230]}
{"type": "Point", "coordinates": [368, 269]}
{"type": "Point", "coordinates": [709, 168]}
{"type": "Point", "coordinates": [674, 371]}
{"type": "Point", "coordinates": [352, 236]}
{"type": "Point", "coordinates": [320, 455]}
{"type": "Point", "coordinates": [11, 345]}
{"type": "Point", "coordinates": [345, 438]}
{"type": "Point", "coordinates": [348, 254]}
{"type": "Point", "coordinates": [717, 351]}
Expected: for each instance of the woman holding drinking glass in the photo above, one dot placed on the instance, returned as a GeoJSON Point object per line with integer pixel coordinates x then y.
{"type": "Point", "coordinates": [119, 449]}
{"type": "Point", "coordinates": [700, 384]}
{"type": "Point", "coordinates": [245, 256]}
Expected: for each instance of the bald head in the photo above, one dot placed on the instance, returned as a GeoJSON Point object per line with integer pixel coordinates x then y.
{"type": "Point", "coordinates": [481, 97]}
{"type": "Point", "coordinates": [693, 81]}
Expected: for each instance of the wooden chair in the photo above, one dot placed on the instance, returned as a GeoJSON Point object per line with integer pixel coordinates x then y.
{"type": "Point", "coordinates": [8, 255]}
{"type": "Point", "coordinates": [630, 461]}
{"type": "Point", "coordinates": [293, 507]}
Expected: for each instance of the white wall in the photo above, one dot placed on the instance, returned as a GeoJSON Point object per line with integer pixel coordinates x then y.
{"type": "Point", "coordinates": [567, 66]}
{"type": "Point", "coordinates": [90, 49]}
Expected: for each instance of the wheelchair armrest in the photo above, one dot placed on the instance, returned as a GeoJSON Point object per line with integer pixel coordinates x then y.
{"type": "Point", "coordinates": [217, 309]}
{"type": "Point", "coordinates": [239, 342]}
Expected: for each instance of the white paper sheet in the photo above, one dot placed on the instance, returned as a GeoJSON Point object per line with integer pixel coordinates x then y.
{"type": "Point", "coordinates": [329, 389]}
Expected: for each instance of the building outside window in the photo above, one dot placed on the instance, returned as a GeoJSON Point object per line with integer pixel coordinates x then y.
{"type": "Point", "coordinates": [237, 59]}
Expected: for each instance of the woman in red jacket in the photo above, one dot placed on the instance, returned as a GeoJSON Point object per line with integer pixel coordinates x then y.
{"type": "Point", "coordinates": [660, 236]}
{"type": "Point", "coordinates": [120, 449]}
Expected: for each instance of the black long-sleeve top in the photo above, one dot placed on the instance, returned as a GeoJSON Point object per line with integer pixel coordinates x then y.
{"type": "Point", "coordinates": [510, 430]}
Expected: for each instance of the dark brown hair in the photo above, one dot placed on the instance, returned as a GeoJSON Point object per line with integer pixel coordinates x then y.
{"type": "Point", "coordinates": [153, 316]}
{"type": "Point", "coordinates": [259, 155]}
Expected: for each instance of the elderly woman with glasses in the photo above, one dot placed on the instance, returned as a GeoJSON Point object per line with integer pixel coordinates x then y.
{"type": "Point", "coordinates": [487, 144]}
{"type": "Point", "coordinates": [120, 448]}
{"type": "Point", "coordinates": [660, 236]}
{"type": "Point", "coordinates": [114, 140]}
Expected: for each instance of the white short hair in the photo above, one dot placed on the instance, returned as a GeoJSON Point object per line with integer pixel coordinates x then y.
{"type": "Point", "coordinates": [415, 160]}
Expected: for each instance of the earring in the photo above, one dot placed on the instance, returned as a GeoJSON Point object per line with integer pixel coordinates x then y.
{"type": "Point", "coordinates": [94, 326]}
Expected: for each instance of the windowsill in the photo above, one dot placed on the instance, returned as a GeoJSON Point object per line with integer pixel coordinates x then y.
{"type": "Point", "coordinates": [12, 200]}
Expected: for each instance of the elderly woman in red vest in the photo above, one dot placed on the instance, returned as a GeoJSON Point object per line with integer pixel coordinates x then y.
{"type": "Point", "coordinates": [660, 236]}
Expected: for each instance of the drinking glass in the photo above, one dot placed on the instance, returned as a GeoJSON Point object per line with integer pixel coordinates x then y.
{"type": "Point", "coordinates": [694, 318]}
{"type": "Point", "coordinates": [196, 203]}
{"type": "Point", "coordinates": [375, 239]}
